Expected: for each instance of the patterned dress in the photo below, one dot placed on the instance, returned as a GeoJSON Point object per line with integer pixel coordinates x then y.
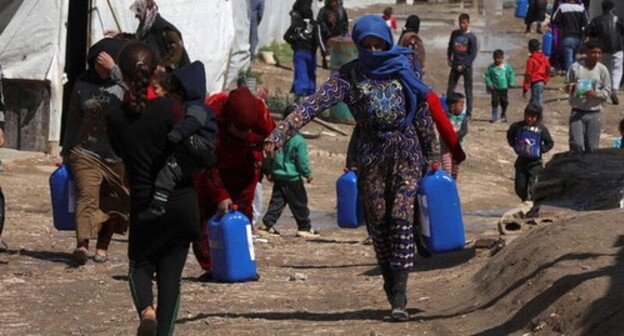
{"type": "Point", "coordinates": [391, 155]}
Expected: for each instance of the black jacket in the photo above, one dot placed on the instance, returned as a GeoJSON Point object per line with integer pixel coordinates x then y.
{"type": "Point", "coordinates": [302, 33]}
{"type": "Point", "coordinates": [546, 144]}
{"type": "Point", "coordinates": [609, 29]}
{"type": "Point", "coordinates": [166, 40]}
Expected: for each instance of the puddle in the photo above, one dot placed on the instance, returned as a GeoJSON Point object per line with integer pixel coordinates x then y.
{"type": "Point", "coordinates": [496, 212]}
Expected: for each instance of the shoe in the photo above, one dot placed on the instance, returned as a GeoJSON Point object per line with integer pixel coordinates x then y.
{"type": "Point", "coordinates": [492, 121]}
{"type": "Point", "coordinates": [308, 233]}
{"type": "Point", "coordinates": [80, 255]}
{"type": "Point", "coordinates": [268, 231]}
{"type": "Point", "coordinates": [399, 296]}
{"type": "Point", "coordinates": [148, 327]}
{"type": "Point", "coordinates": [206, 277]}
{"type": "Point", "coordinates": [614, 99]}
{"type": "Point", "coordinates": [100, 258]}
{"type": "Point", "coordinates": [504, 119]}
{"type": "Point", "coordinates": [3, 246]}
{"type": "Point", "coordinates": [153, 211]}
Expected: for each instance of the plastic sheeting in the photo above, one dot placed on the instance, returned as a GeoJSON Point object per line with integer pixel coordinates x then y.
{"type": "Point", "coordinates": [32, 47]}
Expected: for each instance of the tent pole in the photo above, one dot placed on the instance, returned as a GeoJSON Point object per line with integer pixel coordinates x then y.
{"type": "Point", "coordinates": [114, 15]}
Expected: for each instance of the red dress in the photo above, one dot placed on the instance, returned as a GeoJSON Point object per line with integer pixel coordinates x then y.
{"type": "Point", "coordinates": [236, 174]}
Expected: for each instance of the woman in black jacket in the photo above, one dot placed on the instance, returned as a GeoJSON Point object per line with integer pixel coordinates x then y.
{"type": "Point", "coordinates": [156, 249]}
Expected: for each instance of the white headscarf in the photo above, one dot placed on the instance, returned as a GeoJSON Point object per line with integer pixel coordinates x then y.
{"type": "Point", "coordinates": [146, 16]}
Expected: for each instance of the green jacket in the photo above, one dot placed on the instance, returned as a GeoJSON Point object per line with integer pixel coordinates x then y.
{"type": "Point", "coordinates": [292, 161]}
{"type": "Point", "coordinates": [500, 77]}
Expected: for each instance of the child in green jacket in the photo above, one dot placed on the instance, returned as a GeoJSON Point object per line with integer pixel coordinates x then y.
{"type": "Point", "coordinates": [499, 77]}
{"type": "Point", "coordinates": [288, 166]}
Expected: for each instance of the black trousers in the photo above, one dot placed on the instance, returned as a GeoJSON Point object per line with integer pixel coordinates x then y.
{"type": "Point", "coordinates": [527, 172]}
{"type": "Point", "coordinates": [193, 156]}
{"type": "Point", "coordinates": [293, 194]}
{"type": "Point", "coordinates": [499, 97]}
{"type": "Point", "coordinates": [167, 268]}
{"type": "Point", "coordinates": [452, 83]}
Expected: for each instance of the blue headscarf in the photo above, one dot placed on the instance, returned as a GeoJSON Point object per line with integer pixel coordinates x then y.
{"type": "Point", "coordinates": [388, 62]}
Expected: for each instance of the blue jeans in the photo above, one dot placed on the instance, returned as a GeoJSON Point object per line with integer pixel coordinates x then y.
{"type": "Point", "coordinates": [537, 91]}
{"type": "Point", "coordinates": [570, 46]}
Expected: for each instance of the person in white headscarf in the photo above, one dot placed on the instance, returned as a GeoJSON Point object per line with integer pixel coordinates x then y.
{"type": "Point", "coordinates": [162, 36]}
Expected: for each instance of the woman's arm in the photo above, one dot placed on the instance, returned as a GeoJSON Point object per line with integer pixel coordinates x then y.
{"type": "Point", "coordinates": [329, 94]}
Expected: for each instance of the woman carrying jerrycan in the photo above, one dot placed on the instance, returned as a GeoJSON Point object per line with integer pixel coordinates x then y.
{"type": "Point", "coordinates": [395, 114]}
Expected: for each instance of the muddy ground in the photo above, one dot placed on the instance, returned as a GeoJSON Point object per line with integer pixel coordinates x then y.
{"type": "Point", "coordinates": [556, 279]}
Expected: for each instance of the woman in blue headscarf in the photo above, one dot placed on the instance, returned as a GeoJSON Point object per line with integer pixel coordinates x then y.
{"type": "Point", "coordinates": [396, 142]}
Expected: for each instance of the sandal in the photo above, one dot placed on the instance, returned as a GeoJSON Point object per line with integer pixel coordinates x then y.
{"type": "Point", "coordinates": [268, 231]}
{"type": "Point", "coordinates": [100, 258]}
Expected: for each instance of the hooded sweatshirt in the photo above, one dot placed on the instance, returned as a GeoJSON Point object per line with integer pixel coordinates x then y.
{"type": "Point", "coordinates": [199, 118]}
{"type": "Point", "coordinates": [537, 70]}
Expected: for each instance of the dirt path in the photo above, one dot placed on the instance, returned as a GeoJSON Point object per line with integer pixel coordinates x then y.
{"type": "Point", "coordinates": [555, 280]}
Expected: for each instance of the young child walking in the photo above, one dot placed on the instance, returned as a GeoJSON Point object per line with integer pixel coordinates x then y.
{"type": "Point", "coordinates": [530, 139]}
{"type": "Point", "coordinates": [288, 166]}
{"type": "Point", "coordinates": [195, 136]}
{"type": "Point", "coordinates": [499, 76]}
{"type": "Point", "coordinates": [537, 73]}
{"type": "Point", "coordinates": [461, 53]}
{"type": "Point", "coordinates": [456, 104]}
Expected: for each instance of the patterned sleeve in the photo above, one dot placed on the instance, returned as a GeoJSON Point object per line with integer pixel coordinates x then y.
{"type": "Point", "coordinates": [330, 93]}
{"type": "Point", "coordinates": [425, 129]}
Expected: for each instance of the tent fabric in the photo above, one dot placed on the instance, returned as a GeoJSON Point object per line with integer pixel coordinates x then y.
{"type": "Point", "coordinates": [207, 28]}
{"type": "Point", "coordinates": [32, 47]}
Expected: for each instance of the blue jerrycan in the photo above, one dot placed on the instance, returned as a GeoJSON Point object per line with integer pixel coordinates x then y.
{"type": "Point", "coordinates": [349, 210]}
{"type": "Point", "coordinates": [231, 247]}
{"type": "Point", "coordinates": [440, 212]}
{"type": "Point", "coordinates": [522, 8]}
{"type": "Point", "coordinates": [63, 193]}
{"type": "Point", "coordinates": [547, 43]}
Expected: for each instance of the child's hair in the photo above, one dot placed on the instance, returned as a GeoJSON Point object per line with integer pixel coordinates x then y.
{"type": "Point", "coordinates": [464, 17]}
{"type": "Point", "coordinates": [533, 108]}
{"type": "Point", "coordinates": [454, 98]}
{"type": "Point", "coordinates": [534, 45]}
{"type": "Point", "coordinates": [166, 81]}
{"type": "Point", "coordinates": [498, 53]}
{"type": "Point", "coordinates": [288, 110]}
{"type": "Point", "coordinates": [387, 11]}
{"type": "Point", "coordinates": [621, 126]}
{"type": "Point", "coordinates": [593, 43]}
{"type": "Point", "coordinates": [608, 5]}
{"type": "Point", "coordinates": [137, 62]}
{"type": "Point", "coordinates": [412, 24]}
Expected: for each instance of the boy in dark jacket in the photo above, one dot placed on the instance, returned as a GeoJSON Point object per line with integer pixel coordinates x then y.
{"type": "Point", "coordinates": [529, 138]}
{"type": "Point", "coordinates": [302, 37]}
{"type": "Point", "coordinates": [609, 30]}
{"type": "Point", "coordinates": [195, 136]}
{"type": "Point", "coordinates": [461, 53]}
{"type": "Point", "coordinates": [537, 73]}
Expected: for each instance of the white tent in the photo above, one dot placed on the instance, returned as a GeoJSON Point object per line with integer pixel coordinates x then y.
{"type": "Point", "coordinates": [33, 50]}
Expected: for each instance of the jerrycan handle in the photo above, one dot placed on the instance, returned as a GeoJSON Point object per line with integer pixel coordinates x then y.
{"type": "Point", "coordinates": [234, 208]}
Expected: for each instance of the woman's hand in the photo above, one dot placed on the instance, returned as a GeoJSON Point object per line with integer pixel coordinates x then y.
{"type": "Point", "coordinates": [105, 60]}
{"type": "Point", "coordinates": [224, 206]}
{"type": "Point", "coordinates": [269, 149]}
